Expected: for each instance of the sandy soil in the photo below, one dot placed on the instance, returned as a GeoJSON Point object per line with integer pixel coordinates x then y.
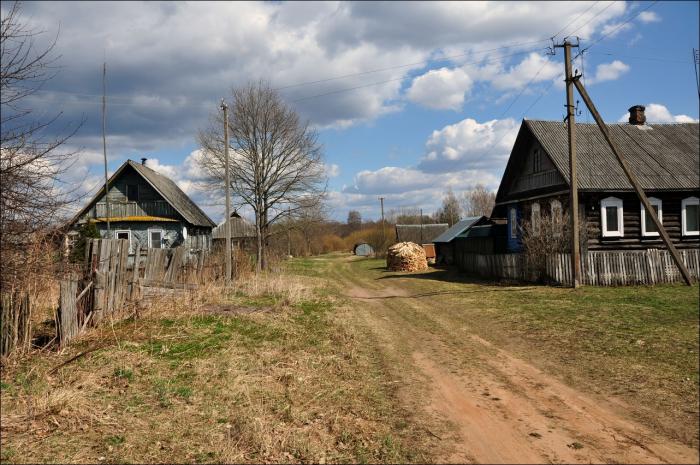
{"type": "Point", "coordinates": [497, 407]}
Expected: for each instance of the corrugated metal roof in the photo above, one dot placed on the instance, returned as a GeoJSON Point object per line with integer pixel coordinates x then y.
{"type": "Point", "coordinates": [239, 228]}
{"type": "Point", "coordinates": [457, 229]}
{"type": "Point", "coordinates": [662, 156]}
{"type": "Point", "coordinates": [174, 195]}
{"type": "Point", "coordinates": [412, 232]}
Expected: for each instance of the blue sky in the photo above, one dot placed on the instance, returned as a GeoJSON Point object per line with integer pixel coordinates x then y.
{"type": "Point", "coordinates": [443, 114]}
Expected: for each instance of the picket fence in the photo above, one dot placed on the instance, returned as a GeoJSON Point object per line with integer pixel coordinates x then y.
{"type": "Point", "coordinates": [598, 268]}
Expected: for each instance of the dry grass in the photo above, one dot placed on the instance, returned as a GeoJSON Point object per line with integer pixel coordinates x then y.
{"type": "Point", "coordinates": [286, 383]}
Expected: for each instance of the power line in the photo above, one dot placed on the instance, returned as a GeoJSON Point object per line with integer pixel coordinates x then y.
{"type": "Point", "coordinates": [618, 27]}
{"type": "Point", "coordinates": [404, 77]}
{"type": "Point", "coordinates": [576, 19]}
{"type": "Point", "coordinates": [633, 57]}
{"type": "Point", "coordinates": [378, 70]}
{"type": "Point", "coordinates": [591, 19]}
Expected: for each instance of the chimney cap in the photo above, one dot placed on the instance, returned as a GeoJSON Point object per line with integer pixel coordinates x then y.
{"type": "Point", "coordinates": [637, 116]}
{"type": "Point", "coordinates": [143, 161]}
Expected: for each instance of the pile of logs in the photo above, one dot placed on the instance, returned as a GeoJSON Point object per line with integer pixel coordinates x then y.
{"type": "Point", "coordinates": [406, 256]}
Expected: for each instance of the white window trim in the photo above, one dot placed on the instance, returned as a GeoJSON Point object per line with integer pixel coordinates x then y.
{"type": "Point", "coordinates": [684, 223]}
{"type": "Point", "coordinates": [162, 236]}
{"type": "Point", "coordinates": [513, 226]}
{"type": "Point", "coordinates": [121, 231]}
{"type": "Point", "coordinates": [535, 218]}
{"type": "Point", "coordinates": [612, 202]}
{"type": "Point", "coordinates": [654, 202]}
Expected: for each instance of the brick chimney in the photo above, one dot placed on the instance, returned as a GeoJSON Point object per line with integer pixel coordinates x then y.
{"type": "Point", "coordinates": [143, 160]}
{"type": "Point", "coordinates": [637, 116]}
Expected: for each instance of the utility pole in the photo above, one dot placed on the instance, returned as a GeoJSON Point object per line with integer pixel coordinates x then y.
{"type": "Point", "coordinates": [381, 200]}
{"type": "Point", "coordinates": [573, 178]}
{"type": "Point", "coordinates": [289, 232]}
{"type": "Point", "coordinates": [421, 226]}
{"type": "Point", "coordinates": [633, 180]}
{"type": "Point", "coordinates": [227, 189]}
{"type": "Point", "coordinates": [104, 142]}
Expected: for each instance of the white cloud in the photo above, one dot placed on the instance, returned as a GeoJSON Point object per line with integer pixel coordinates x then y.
{"type": "Point", "coordinates": [658, 113]}
{"type": "Point", "coordinates": [649, 17]}
{"type": "Point", "coordinates": [442, 89]}
{"type": "Point", "coordinates": [534, 68]}
{"type": "Point", "coordinates": [609, 71]}
{"type": "Point", "coordinates": [613, 29]}
{"type": "Point", "coordinates": [332, 170]}
{"type": "Point", "coordinates": [470, 144]}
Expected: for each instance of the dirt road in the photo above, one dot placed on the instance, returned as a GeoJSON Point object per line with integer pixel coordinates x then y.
{"type": "Point", "coordinates": [482, 404]}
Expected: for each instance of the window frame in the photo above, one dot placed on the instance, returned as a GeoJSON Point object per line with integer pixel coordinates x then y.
{"type": "Point", "coordinates": [684, 220]}
{"type": "Point", "coordinates": [604, 205]}
{"type": "Point", "coordinates": [150, 239]}
{"type": "Point", "coordinates": [513, 219]}
{"type": "Point", "coordinates": [535, 218]}
{"type": "Point", "coordinates": [654, 202]}
{"type": "Point", "coordinates": [129, 194]}
{"type": "Point", "coordinates": [122, 231]}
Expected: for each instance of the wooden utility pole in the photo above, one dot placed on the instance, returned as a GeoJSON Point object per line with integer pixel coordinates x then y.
{"type": "Point", "coordinates": [573, 178]}
{"type": "Point", "coordinates": [633, 180]}
{"type": "Point", "coordinates": [227, 189]}
{"type": "Point", "coordinates": [289, 232]}
{"type": "Point", "coordinates": [421, 226]}
{"type": "Point", "coordinates": [381, 200]}
{"type": "Point", "coordinates": [104, 142]}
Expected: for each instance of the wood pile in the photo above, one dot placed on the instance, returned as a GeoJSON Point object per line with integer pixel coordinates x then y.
{"type": "Point", "coordinates": [406, 256]}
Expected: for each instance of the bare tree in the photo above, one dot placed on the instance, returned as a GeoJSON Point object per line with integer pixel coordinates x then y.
{"type": "Point", "coordinates": [450, 212]}
{"type": "Point", "coordinates": [31, 162]}
{"type": "Point", "coordinates": [276, 161]}
{"type": "Point", "coordinates": [479, 201]}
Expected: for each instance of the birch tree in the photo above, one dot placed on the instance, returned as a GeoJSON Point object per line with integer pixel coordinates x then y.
{"type": "Point", "coordinates": [275, 160]}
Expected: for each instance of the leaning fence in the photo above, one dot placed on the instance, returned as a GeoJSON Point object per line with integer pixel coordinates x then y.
{"type": "Point", "coordinates": [598, 268]}
{"type": "Point", "coordinates": [15, 322]}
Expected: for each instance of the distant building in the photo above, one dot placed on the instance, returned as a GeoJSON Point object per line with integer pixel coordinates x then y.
{"type": "Point", "coordinates": [363, 250]}
{"type": "Point", "coordinates": [242, 233]}
{"type": "Point", "coordinates": [445, 242]}
{"type": "Point", "coordinates": [147, 209]}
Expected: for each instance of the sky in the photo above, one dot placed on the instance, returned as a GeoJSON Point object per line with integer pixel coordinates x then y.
{"type": "Point", "coordinates": [410, 99]}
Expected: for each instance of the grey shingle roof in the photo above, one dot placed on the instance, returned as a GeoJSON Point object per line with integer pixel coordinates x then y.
{"type": "Point", "coordinates": [662, 156]}
{"type": "Point", "coordinates": [174, 195]}
{"type": "Point", "coordinates": [457, 229]}
{"type": "Point", "coordinates": [239, 228]}
{"type": "Point", "coordinates": [412, 232]}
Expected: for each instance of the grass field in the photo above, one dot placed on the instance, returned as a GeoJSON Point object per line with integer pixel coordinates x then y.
{"type": "Point", "coordinates": [296, 375]}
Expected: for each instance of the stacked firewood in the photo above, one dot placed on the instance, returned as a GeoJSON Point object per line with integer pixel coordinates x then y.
{"type": "Point", "coordinates": [406, 256]}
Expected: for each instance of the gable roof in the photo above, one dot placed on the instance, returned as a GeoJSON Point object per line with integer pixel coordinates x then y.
{"type": "Point", "coordinates": [240, 227]}
{"type": "Point", "coordinates": [167, 189]}
{"type": "Point", "coordinates": [662, 156]}
{"type": "Point", "coordinates": [458, 228]}
{"type": "Point", "coordinates": [412, 232]}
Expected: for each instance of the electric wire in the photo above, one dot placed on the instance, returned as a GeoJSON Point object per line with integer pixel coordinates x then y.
{"type": "Point", "coordinates": [576, 19]}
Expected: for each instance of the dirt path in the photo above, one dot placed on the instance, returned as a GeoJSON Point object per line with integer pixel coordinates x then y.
{"type": "Point", "coordinates": [488, 405]}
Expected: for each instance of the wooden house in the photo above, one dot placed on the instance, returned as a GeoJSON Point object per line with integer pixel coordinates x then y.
{"type": "Point", "coordinates": [419, 233]}
{"type": "Point", "coordinates": [242, 233]}
{"type": "Point", "coordinates": [664, 158]}
{"type": "Point", "coordinates": [147, 209]}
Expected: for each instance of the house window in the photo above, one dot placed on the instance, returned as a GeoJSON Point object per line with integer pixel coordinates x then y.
{"type": "Point", "coordinates": [611, 215]}
{"type": "Point", "coordinates": [690, 216]}
{"type": "Point", "coordinates": [536, 161]}
{"type": "Point", "coordinates": [123, 234]}
{"type": "Point", "coordinates": [132, 192]}
{"type": "Point", "coordinates": [155, 238]}
{"type": "Point", "coordinates": [535, 218]}
{"type": "Point", "coordinates": [513, 223]}
{"type": "Point", "coordinates": [648, 226]}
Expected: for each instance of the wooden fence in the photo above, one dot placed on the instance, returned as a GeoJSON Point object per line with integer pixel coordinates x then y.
{"type": "Point", "coordinates": [600, 268]}
{"type": "Point", "coordinates": [15, 322]}
{"type": "Point", "coordinates": [113, 282]}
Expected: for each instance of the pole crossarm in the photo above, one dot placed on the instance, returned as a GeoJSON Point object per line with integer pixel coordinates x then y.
{"type": "Point", "coordinates": [633, 180]}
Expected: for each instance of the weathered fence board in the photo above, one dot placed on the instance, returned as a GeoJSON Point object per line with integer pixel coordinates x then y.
{"type": "Point", "coordinates": [598, 268]}
{"type": "Point", "coordinates": [15, 322]}
{"type": "Point", "coordinates": [67, 322]}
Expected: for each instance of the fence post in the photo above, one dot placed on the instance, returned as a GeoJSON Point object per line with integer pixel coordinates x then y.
{"type": "Point", "coordinates": [67, 323]}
